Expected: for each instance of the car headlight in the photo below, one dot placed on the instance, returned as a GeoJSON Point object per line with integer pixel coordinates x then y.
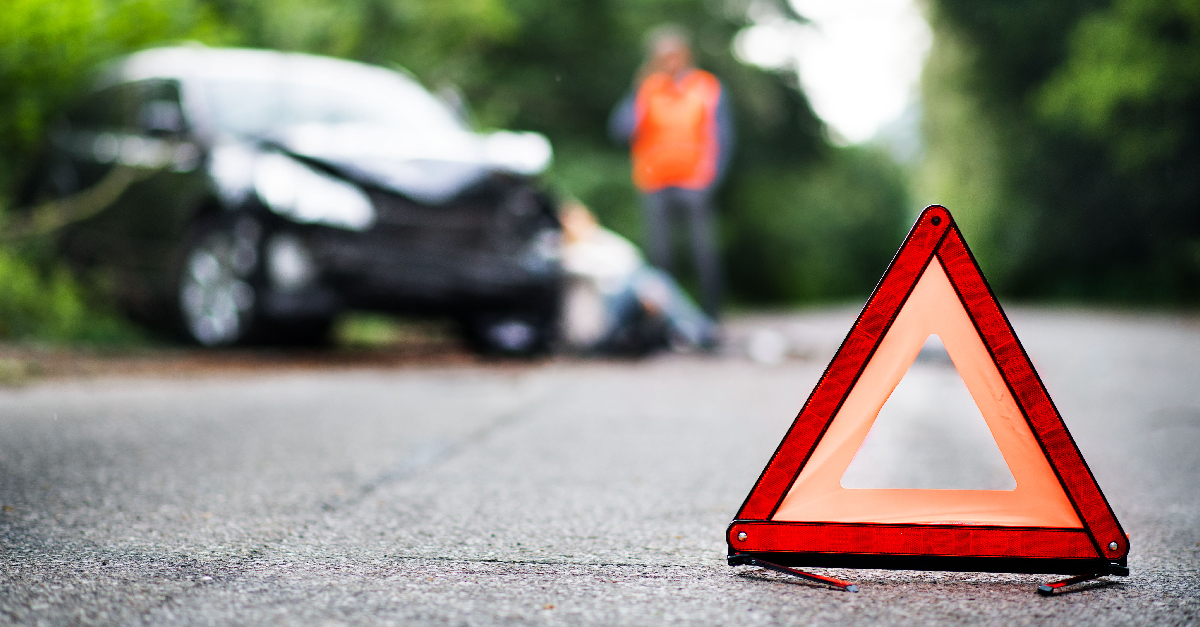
{"type": "Point", "coordinates": [305, 195]}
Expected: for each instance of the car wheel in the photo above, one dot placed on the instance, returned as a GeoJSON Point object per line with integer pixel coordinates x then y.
{"type": "Point", "coordinates": [216, 296]}
{"type": "Point", "coordinates": [522, 334]}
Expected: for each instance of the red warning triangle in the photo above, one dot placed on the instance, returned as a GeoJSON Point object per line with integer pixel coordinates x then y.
{"type": "Point", "coordinates": [1056, 520]}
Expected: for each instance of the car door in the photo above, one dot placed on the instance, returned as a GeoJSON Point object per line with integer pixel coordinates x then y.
{"type": "Point", "coordinates": [133, 139]}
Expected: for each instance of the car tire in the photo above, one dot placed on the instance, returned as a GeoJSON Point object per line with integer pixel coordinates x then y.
{"type": "Point", "coordinates": [510, 333]}
{"type": "Point", "coordinates": [216, 294]}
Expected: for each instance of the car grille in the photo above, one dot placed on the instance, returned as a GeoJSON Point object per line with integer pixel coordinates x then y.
{"type": "Point", "coordinates": [471, 248]}
{"type": "Point", "coordinates": [461, 227]}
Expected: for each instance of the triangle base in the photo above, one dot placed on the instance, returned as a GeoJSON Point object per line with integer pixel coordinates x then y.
{"type": "Point", "coordinates": [1030, 566]}
{"type": "Point", "coordinates": [970, 548]}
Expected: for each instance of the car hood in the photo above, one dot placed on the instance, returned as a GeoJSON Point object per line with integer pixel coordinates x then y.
{"type": "Point", "coordinates": [430, 167]}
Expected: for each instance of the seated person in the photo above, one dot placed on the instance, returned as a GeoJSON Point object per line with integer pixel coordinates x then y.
{"type": "Point", "coordinates": [617, 303]}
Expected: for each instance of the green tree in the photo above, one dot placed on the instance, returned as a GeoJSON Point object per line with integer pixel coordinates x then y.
{"type": "Point", "coordinates": [1064, 137]}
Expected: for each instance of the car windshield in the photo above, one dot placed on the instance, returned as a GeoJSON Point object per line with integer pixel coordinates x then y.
{"type": "Point", "coordinates": [258, 107]}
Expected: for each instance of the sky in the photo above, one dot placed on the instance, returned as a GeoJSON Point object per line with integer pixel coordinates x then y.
{"type": "Point", "coordinates": [859, 61]}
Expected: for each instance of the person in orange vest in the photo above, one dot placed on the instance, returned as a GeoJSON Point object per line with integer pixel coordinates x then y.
{"type": "Point", "coordinates": [680, 130]}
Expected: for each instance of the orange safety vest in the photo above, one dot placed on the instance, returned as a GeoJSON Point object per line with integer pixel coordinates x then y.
{"type": "Point", "coordinates": [675, 138]}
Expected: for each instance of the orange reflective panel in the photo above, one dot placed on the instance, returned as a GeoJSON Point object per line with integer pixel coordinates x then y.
{"type": "Point", "coordinates": [933, 308]}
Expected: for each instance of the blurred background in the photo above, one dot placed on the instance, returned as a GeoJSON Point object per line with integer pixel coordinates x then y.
{"type": "Point", "coordinates": [1064, 136]}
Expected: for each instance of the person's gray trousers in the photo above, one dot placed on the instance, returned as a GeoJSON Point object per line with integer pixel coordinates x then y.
{"type": "Point", "coordinates": [697, 205]}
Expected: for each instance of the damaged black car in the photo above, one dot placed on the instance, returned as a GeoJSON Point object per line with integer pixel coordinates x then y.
{"type": "Point", "coordinates": [249, 195]}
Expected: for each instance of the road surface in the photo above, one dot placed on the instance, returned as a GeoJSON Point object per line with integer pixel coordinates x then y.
{"type": "Point", "coordinates": [463, 492]}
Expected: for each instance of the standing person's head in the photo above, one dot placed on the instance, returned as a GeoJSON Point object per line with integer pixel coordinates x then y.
{"type": "Point", "coordinates": [668, 50]}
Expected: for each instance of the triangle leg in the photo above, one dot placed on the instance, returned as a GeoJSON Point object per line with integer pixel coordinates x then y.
{"type": "Point", "coordinates": [746, 560]}
{"type": "Point", "coordinates": [1056, 587]}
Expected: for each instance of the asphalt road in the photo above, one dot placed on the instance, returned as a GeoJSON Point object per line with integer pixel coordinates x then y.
{"type": "Point", "coordinates": [562, 492]}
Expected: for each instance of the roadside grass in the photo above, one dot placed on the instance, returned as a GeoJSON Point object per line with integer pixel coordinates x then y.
{"type": "Point", "coordinates": [367, 330]}
{"type": "Point", "coordinates": [51, 306]}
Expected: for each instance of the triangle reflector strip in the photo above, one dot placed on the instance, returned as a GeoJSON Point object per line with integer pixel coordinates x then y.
{"type": "Point", "coordinates": [1056, 520]}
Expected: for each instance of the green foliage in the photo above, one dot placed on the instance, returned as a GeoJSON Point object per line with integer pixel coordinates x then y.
{"type": "Point", "coordinates": [599, 176]}
{"type": "Point", "coordinates": [965, 166]}
{"type": "Point", "coordinates": [1130, 80]}
{"type": "Point", "coordinates": [1065, 139]}
{"type": "Point", "coordinates": [827, 230]}
{"type": "Point", "coordinates": [52, 307]}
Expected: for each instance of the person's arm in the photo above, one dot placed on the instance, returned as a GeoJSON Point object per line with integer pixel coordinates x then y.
{"type": "Point", "coordinates": [623, 120]}
{"type": "Point", "coordinates": [726, 135]}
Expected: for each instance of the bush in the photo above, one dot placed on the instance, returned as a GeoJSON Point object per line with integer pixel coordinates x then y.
{"type": "Point", "coordinates": [826, 231]}
{"type": "Point", "coordinates": [52, 307]}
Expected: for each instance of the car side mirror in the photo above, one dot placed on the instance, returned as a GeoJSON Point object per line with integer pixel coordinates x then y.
{"type": "Point", "coordinates": [161, 118]}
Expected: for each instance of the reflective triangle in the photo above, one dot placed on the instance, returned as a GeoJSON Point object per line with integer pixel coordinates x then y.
{"type": "Point", "coordinates": [1056, 519]}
